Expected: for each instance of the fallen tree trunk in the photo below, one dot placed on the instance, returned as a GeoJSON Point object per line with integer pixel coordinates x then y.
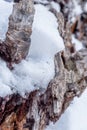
{"type": "Point", "coordinates": [36, 110]}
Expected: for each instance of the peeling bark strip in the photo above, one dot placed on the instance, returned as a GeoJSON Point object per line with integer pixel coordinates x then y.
{"type": "Point", "coordinates": [17, 42]}
{"type": "Point", "coordinates": [35, 112]}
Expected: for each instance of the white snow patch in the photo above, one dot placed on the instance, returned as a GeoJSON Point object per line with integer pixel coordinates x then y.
{"type": "Point", "coordinates": [4, 90]}
{"type": "Point", "coordinates": [5, 11]}
{"type": "Point", "coordinates": [38, 68]}
{"type": "Point", "coordinates": [78, 113]}
{"type": "Point", "coordinates": [75, 10]}
{"type": "Point", "coordinates": [85, 7]}
{"type": "Point", "coordinates": [5, 79]}
{"type": "Point", "coordinates": [77, 7]}
{"type": "Point", "coordinates": [41, 1]}
{"type": "Point", "coordinates": [55, 6]}
{"type": "Point", "coordinates": [78, 44]}
{"type": "Point", "coordinates": [61, 124]}
{"type": "Point", "coordinates": [46, 40]}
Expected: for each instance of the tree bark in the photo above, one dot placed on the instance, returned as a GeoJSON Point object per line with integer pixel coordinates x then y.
{"type": "Point", "coordinates": [70, 80]}
{"type": "Point", "coordinates": [35, 112]}
{"type": "Point", "coordinates": [17, 42]}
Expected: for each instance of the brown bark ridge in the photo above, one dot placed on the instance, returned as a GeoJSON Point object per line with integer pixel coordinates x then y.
{"type": "Point", "coordinates": [36, 110]}
{"type": "Point", "coordinates": [17, 42]}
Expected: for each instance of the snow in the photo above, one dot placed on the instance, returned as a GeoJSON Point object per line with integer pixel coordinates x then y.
{"type": "Point", "coordinates": [37, 69]}
{"type": "Point", "coordinates": [41, 1]}
{"type": "Point", "coordinates": [61, 124]}
{"type": "Point", "coordinates": [45, 35]}
{"type": "Point", "coordinates": [75, 117]}
{"type": "Point", "coordinates": [4, 90]}
{"type": "Point", "coordinates": [78, 113]}
{"type": "Point", "coordinates": [85, 7]}
{"type": "Point", "coordinates": [78, 44]}
{"type": "Point", "coordinates": [75, 10]}
{"type": "Point", "coordinates": [5, 11]}
{"type": "Point", "coordinates": [55, 6]}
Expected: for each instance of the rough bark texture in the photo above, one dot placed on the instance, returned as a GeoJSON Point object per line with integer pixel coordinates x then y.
{"type": "Point", "coordinates": [17, 42]}
{"type": "Point", "coordinates": [37, 110]}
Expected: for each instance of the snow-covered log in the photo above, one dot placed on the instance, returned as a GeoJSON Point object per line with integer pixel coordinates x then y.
{"type": "Point", "coordinates": [39, 107]}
